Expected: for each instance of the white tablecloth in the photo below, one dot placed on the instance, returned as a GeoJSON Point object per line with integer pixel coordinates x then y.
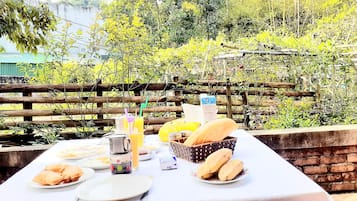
{"type": "Point", "coordinates": [270, 178]}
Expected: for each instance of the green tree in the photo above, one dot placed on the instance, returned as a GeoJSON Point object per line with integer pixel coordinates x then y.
{"type": "Point", "coordinates": [25, 25]}
{"type": "Point", "coordinates": [94, 3]}
{"type": "Point", "coordinates": [242, 18]}
{"type": "Point", "coordinates": [192, 61]}
{"type": "Point", "coordinates": [58, 68]}
{"type": "Point", "coordinates": [186, 19]}
{"type": "Point", "coordinates": [127, 40]}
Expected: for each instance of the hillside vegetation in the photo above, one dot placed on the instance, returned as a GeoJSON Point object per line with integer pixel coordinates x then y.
{"type": "Point", "coordinates": [151, 41]}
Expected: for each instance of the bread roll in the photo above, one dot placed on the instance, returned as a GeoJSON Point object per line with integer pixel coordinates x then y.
{"type": "Point", "coordinates": [56, 167]}
{"type": "Point", "coordinates": [218, 158]}
{"type": "Point", "coordinates": [230, 170]}
{"type": "Point", "coordinates": [47, 177]}
{"type": "Point", "coordinates": [203, 172]}
{"type": "Point", "coordinates": [72, 173]}
{"type": "Point", "coordinates": [213, 163]}
{"type": "Point", "coordinates": [55, 174]}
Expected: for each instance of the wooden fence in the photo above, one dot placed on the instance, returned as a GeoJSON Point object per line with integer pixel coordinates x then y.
{"type": "Point", "coordinates": [90, 107]}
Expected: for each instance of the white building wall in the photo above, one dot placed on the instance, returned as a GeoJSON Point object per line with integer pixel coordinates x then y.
{"type": "Point", "coordinates": [80, 18]}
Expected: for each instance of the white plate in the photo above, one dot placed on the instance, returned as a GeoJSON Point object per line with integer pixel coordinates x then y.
{"type": "Point", "coordinates": [115, 187]}
{"type": "Point", "coordinates": [82, 151]}
{"type": "Point", "coordinates": [215, 180]}
{"type": "Point", "coordinates": [87, 173]}
{"type": "Point", "coordinates": [95, 162]}
{"type": "Point", "coordinates": [152, 147]}
{"type": "Point", "coordinates": [145, 157]}
{"type": "Point", "coordinates": [164, 143]}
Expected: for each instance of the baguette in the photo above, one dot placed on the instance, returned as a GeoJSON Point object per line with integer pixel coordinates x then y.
{"type": "Point", "coordinates": [213, 131]}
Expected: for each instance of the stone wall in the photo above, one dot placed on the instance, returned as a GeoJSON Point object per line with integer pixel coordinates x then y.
{"type": "Point", "coordinates": [328, 155]}
{"type": "Point", "coordinates": [12, 159]}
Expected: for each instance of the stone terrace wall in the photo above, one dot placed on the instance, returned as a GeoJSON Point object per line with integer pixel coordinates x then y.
{"type": "Point", "coordinates": [328, 155]}
{"type": "Point", "coordinates": [12, 159]}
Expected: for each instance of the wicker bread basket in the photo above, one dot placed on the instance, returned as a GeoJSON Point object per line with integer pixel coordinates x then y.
{"type": "Point", "coordinates": [200, 152]}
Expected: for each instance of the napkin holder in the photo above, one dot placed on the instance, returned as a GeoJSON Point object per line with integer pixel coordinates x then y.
{"type": "Point", "coordinates": [200, 152]}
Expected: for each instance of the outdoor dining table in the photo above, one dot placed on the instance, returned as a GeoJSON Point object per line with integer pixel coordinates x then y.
{"type": "Point", "coordinates": [268, 177]}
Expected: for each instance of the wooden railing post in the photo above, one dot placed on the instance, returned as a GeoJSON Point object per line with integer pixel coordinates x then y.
{"type": "Point", "coordinates": [137, 90]}
{"type": "Point", "coordinates": [229, 99]}
{"type": "Point", "coordinates": [100, 116]}
{"type": "Point", "coordinates": [177, 93]}
{"type": "Point", "coordinates": [246, 111]}
{"type": "Point", "coordinates": [27, 106]}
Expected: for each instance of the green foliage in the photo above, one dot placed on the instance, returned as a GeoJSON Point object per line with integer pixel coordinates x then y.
{"type": "Point", "coordinates": [86, 129]}
{"type": "Point", "coordinates": [59, 69]}
{"type": "Point", "coordinates": [127, 39]}
{"type": "Point", "coordinates": [150, 41]}
{"type": "Point", "coordinates": [338, 96]}
{"type": "Point", "coordinates": [94, 3]}
{"type": "Point", "coordinates": [249, 17]}
{"type": "Point", "coordinates": [194, 59]}
{"type": "Point", "coordinates": [290, 115]}
{"type": "Point", "coordinates": [44, 133]}
{"type": "Point", "coordinates": [173, 23]}
{"type": "Point", "coordinates": [48, 134]}
{"type": "Point", "coordinates": [27, 26]}
{"type": "Point", "coordinates": [199, 17]}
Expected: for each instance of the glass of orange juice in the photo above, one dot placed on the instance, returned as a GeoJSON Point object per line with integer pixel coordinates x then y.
{"type": "Point", "coordinates": [137, 129]}
{"type": "Point", "coordinates": [135, 140]}
{"type": "Point", "coordinates": [136, 135]}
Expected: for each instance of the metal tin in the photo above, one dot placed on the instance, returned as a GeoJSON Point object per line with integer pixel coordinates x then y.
{"type": "Point", "coordinates": [119, 144]}
{"type": "Point", "coordinates": [120, 154]}
{"type": "Point", "coordinates": [121, 163]}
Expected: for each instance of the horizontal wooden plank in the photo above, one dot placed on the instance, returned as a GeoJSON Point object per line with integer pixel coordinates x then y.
{"type": "Point", "coordinates": [250, 92]}
{"type": "Point", "coordinates": [58, 112]}
{"type": "Point", "coordinates": [77, 123]}
{"type": "Point", "coordinates": [86, 99]}
{"type": "Point", "coordinates": [35, 88]}
{"type": "Point", "coordinates": [69, 112]}
{"type": "Point", "coordinates": [132, 99]}
{"type": "Point", "coordinates": [285, 93]}
{"type": "Point", "coordinates": [6, 88]}
{"type": "Point", "coordinates": [244, 84]}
